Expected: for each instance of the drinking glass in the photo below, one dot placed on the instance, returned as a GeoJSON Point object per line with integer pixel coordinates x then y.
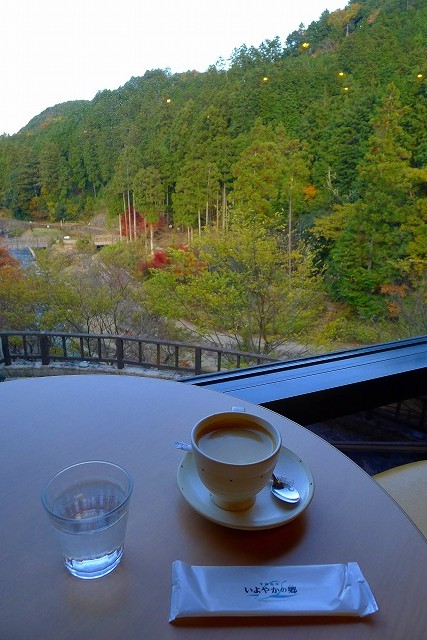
{"type": "Point", "coordinates": [88, 504]}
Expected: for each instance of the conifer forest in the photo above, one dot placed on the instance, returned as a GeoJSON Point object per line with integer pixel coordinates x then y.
{"type": "Point", "coordinates": [278, 197]}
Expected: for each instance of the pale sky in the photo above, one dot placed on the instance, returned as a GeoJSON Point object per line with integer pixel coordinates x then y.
{"type": "Point", "coordinates": [59, 50]}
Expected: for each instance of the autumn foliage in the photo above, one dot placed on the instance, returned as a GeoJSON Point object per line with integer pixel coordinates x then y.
{"type": "Point", "coordinates": [158, 260]}
{"type": "Point", "coordinates": [136, 222]}
{"type": "Point", "coordinates": [6, 260]}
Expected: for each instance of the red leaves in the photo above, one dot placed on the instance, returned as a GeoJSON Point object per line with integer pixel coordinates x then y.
{"type": "Point", "coordinates": [136, 222]}
{"type": "Point", "coordinates": [158, 260]}
{"type": "Point", "coordinates": [6, 260]}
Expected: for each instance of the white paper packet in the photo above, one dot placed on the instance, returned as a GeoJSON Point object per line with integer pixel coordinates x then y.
{"type": "Point", "coordinates": [308, 590]}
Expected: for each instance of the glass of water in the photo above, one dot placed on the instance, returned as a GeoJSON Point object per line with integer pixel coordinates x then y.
{"type": "Point", "coordinates": [88, 504]}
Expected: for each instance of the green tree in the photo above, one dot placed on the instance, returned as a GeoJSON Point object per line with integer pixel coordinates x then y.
{"type": "Point", "coordinates": [342, 19]}
{"type": "Point", "coordinates": [90, 158]}
{"type": "Point", "coordinates": [53, 174]}
{"type": "Point", "coordinates": [374, 240]}
{"type": "Point", "coordinates": [87, 295]}
{"type": "Point", "coordinates": [196, 192]}
{"type": "Point", "coordinates": [23, 190]}
{"type": "Point", "coordinates": [271, 176]}
{"type": "Point", "coordinates": [149, 197]}
{"type": "Point", "coordinates": [235, 287]}
{"type": "Point", "coordinates": [121, 186]}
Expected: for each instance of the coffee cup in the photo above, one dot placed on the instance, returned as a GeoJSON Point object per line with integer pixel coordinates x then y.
{"type": "Point", "coordinates": [235, 454]}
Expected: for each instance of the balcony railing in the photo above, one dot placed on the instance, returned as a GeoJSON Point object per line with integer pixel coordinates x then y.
{"type": "Point", "coordinates": [120, 351]}
{"type": "Point", "coordinates": [307, 390]}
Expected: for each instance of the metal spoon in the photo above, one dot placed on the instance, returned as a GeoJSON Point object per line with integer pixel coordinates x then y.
{"type": "Point", "coordinates": [182, 445]}
{"type": "Point", "coordinates": [284, 490]}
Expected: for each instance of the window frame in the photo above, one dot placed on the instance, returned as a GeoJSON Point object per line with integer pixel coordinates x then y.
{"type": "Point", "coordinates": [308, 390]}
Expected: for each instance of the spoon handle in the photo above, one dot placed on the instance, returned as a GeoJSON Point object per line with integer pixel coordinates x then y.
{"type": "Point", "coordinates": [182, 445]}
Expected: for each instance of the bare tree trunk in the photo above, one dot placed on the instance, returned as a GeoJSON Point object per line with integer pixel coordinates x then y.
{"type": "Point", "coordinates": [134, 212]}
{"type": "Point", "coordinates": [130, 216]}
{"type": "Point", "coordinates": [134, 218]}
{"type": "Point", "coordinates": [371, 253]}
{"type": "Point", "coordinates": [330, 186]}
{"type": "Point", "coordinates": [167, 206]}
{"type": "Point", "coordinates": [125, 217]}
{"type": "Point", "coordinates": [208, 184]}
{"type": "Point", "coordinates": [145, 235]}
{"type": "Point", "coordinates": [290, 229]}
{"type": "Point", "coordinates": [224, 207]}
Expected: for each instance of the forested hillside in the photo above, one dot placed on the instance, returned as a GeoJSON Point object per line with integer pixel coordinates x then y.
{"type": "Point", "coordinates": [315, 142]}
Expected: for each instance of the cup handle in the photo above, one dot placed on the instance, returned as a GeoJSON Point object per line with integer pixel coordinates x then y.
{"type": "Point", "coordinates": [239, 409]}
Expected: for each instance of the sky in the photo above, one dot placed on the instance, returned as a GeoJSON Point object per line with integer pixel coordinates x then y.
{"type": "Point", "coordinates": [54, 51]}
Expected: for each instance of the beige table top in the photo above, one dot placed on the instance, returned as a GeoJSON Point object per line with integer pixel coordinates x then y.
{"type": "Point", "coordinates": [49, 423]}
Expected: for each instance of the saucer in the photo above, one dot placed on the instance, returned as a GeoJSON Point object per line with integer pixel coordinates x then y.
{"type": "Point", "coordinates": [266, 513]}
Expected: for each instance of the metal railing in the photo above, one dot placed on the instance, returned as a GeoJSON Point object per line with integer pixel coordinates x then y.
{"type": "Point", "coordinates": [119, 351]}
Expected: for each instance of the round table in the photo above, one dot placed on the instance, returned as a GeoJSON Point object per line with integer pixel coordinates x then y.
{"type": "Point", "coordinates": [48, 423]}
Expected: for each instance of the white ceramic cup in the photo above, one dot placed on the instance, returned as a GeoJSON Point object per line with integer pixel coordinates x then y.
{"type": "Point", "coordinates": [235, 454]}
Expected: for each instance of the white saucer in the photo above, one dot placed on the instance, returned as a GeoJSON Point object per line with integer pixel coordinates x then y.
{"type": "Point", "coordinates": [267, 512]}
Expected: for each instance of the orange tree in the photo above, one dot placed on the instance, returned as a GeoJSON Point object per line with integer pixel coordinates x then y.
{"type": "Point", "coordinates": [17, 300]}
